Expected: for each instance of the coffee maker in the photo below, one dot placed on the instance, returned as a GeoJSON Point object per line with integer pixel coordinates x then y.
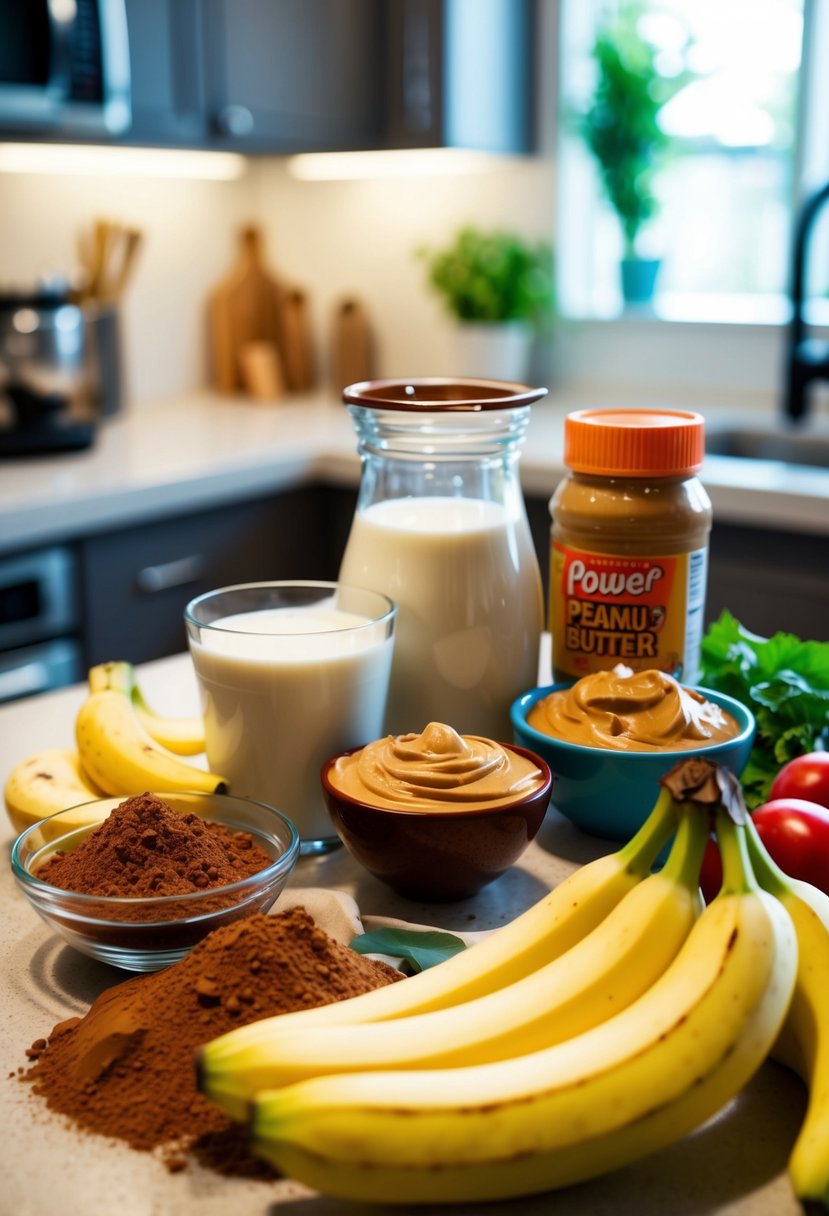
{"type": "Point", "coordinates": [50, 372]}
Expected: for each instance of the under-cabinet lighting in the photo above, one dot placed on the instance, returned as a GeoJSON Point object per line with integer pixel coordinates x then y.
{"type": "Point", "coordinates": [92, 160]}
{"type": "Point", "coordinates": [407, 162]}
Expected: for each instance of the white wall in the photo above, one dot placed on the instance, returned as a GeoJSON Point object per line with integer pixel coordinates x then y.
{"type": "Point", "coordinates": [359, 239]}
{"type": "Point", "coordinates": [188, 227]}
{"type": "Point", "coordinates": [331, 238]}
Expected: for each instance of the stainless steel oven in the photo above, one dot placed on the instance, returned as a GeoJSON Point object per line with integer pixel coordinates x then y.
{"type": "Point", "coordinates": [39, 622]}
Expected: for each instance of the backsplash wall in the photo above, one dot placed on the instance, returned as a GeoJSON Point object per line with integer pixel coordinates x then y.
{"type": "Point", "coordinates": [331, 238]}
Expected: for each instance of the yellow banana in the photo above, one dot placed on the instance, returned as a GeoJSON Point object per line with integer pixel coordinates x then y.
{"type": "Point", "coordinates": [184, 736]}
{"type": "Point", "coordinates": [803, 1044]}
{"type": "Point", "coordinates": [596, 978]}
{"type": "Point", "coordinates": [122, 758]}
{"type": "Point", "coordinates": [551, 926]}
{"type": "Point", "coordinates": [51, 780]}
{"type": "Point", "coordinates": [554, 1117]}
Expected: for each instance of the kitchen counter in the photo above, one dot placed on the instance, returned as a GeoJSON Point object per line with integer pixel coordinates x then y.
{"type": "Point", "coordinates": [160, 459]}
{"type": "Point", "coordinates": [734, 1166]}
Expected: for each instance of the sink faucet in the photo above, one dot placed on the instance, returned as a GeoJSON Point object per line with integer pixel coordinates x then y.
{"type": "Point", "coordinates": [807, 359]}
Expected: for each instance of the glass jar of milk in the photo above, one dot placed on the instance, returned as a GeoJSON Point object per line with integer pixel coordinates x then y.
{"type": "Point", "coordinates": [441, 528]}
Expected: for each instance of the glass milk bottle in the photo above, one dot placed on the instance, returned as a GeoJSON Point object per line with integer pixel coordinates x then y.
{"type": "Point", "coordinates": [441, 528]}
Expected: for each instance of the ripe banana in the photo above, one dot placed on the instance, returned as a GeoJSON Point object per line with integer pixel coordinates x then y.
{"type": "Point", "coordinates": [122, 758]}
{"type": "Point", "coordinates": [184, 736]}
{"type": "Point", "coordinates": [51, 780]}
{"type": "Point", "coordinates": [552, 925]}
{"type": "Point", "coordinates": [803, 1044]}
{"type": "Point", "coordinates": [554, 1117]}
{"type": "Point", "coordinates": [597, 977]}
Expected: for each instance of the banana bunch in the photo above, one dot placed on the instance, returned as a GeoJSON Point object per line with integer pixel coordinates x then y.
{"type": "Point", "coordinates": [123, 747]}
{"type": "Point", "coordinates": [47, 782]}
{"type": "Point", "coordinates": [601, 974]}
{"type": "Point", "coordinates": [609, 1020]}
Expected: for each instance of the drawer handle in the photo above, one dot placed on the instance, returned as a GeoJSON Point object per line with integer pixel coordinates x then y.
{"type": "Point", "coordinates": [178, 573]}
{"type": "Point", "coordinates": [237, 121]}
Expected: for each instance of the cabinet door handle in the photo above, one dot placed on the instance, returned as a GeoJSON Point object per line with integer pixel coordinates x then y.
{"type": "Point", "coordinates": [178, 573]}
{"type": "Point", "coordinates": [234, 120]}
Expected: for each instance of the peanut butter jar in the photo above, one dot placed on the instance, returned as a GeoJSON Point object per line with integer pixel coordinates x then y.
{"type": "Point", "coordinates": [629, 544]}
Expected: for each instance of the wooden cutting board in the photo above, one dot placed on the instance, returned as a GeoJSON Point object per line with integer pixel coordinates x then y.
{"type": "Point", "coordinates": [352, 345]}
{"type": "Point", "coordinates": [244, 309]}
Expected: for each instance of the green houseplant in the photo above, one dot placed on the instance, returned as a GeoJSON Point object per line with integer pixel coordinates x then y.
{"type": "Point", "coordinates": [622, 130]}
{"type": "Point", "coordinates": [499, 288]}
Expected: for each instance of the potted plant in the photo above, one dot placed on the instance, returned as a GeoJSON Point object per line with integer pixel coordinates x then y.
{"type": "Point", "coordinates": [499, 288]}
{"type": "Point", "coordinates": [621, 128]}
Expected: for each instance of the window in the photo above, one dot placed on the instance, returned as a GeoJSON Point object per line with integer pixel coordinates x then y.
{"type": "Point", "coordinates": [743, 147]}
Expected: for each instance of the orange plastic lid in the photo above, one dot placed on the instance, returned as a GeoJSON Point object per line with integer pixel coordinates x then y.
{"type": "Point", "coordinates": [634, 442]}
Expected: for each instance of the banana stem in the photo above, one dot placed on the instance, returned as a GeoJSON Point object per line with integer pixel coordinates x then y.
{"type": "Point", "coordinates": [685, 858]}
{"type": "Point", "coordinates": [766, 869]}
{"type": "Point", "coordinates": [738, 875]}
{"type": "Point", "coordinates": [641, 850]}
{"type": "Point", "coordinates": [119, 676]}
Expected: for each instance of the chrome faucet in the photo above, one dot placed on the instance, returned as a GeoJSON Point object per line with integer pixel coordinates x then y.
{"type": "Point", "coordinates": [807, 359]}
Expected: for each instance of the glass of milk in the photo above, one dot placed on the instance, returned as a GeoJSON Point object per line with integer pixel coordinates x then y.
{"type": "Point", "coordinates": [441, 528]}
{"type": "Point", "coordinates": [290, 673]}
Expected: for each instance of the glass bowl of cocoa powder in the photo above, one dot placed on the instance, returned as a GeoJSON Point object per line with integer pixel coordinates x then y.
{"type": "Point", "coordinates": [137, 882]}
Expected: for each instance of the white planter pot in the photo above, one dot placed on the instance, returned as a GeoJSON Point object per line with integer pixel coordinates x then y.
{"type": "Point", "coordinates": [493, 350]}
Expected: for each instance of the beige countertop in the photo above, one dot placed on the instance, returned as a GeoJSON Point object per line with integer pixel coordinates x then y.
{"type": "Point", "coordinates": [168, 457]}
{"type": "Point", "coordinates": [734, 1166]}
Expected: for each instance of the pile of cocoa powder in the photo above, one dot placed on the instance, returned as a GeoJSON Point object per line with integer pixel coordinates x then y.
{"type": "Point", "coordinates": [145, 848]}
{"type": "Point", "coordinates": [127, 1068]}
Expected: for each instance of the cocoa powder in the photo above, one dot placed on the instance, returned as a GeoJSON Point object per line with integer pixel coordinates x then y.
{"type": "Point", "coordinates": [145, 848]}
{"type": "Point", "coordinates": [127, 1068]}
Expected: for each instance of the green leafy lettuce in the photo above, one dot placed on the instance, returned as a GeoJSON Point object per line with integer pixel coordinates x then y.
{"type": "Point", "coordinates": [784, 681]}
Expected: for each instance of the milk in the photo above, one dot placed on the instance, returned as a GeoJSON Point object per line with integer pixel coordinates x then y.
{"type": "Point", "coordinates": [282, 690]}
{"type": "Point", "coordinates": [464, 575]}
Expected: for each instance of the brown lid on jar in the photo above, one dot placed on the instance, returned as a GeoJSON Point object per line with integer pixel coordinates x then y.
{"type": "Point", "coordinates": [634, 442]}
{"type": "Point", "coordinates": [428, 394]}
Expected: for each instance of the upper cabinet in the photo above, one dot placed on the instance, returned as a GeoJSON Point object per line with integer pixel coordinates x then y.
{"type": "Point", "coordinates": [460, 74]}
{"type": "Point", "coordinates": [167, 72]}
{"type": "Point", "coordinates": [294, 77]}
{"type": "Point", "coordinates": [280, 76]}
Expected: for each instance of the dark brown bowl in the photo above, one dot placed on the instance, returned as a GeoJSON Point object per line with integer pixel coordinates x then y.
{"type": "Point", "coordinates": [439, 855]}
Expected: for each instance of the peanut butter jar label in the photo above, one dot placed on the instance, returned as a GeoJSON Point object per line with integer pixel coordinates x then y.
{"type": "Point", "coordinates": [645, 612]}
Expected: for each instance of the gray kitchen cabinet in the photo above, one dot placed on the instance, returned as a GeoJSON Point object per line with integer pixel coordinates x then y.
{"type": "Point", "coordinates": [257, 75]}
{"type": "Point", "coordinates": [460, 74]}
{"type": "Point", "coordinates": [770, 580]}
{"type": "Point", "coordinates": [136, 582]}
{"type": "Point", "coordinates": [282, 76]}
{"type": "Point", "coordinates": [294, 77]}
{"type": "Point", "coordinates": [130, 585]}
{"type": "Point", "coordinates": [167, 72]}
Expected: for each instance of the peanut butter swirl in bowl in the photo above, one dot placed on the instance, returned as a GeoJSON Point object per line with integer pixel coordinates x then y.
{"type": "Point", "coordinates": [436, 768]}
{"type": "Point", "coordinates": [437, 815]}
{"type": "Point", "coordinates": [611, 736]}
{"type": "Point", "coordinates": [633, 711]}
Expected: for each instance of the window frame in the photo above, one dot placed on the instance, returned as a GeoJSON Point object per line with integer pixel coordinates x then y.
{"type": "Point", "coordinates": [655, 356]}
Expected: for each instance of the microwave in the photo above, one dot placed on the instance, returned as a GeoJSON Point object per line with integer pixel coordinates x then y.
{"type": "Point", "coordinates": [64, 68]}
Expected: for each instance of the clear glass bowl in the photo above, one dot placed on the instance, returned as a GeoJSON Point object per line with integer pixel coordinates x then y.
{"type": "Point", "coordinates": [148, 933]}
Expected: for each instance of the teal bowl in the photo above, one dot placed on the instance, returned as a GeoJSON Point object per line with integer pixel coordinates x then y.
{"type": "Point", "coordinates": [610, 793]}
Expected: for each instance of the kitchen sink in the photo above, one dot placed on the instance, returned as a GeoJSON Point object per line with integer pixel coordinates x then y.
{"type": "Point", "coordinates": [760, 443]}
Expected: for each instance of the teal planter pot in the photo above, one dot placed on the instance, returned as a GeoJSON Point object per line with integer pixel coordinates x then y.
{"type": "Point", "coordinates": [639, 279]}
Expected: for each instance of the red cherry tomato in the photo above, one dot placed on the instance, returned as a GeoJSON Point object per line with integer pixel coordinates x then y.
{"type": "Point", "coordinates": [804, 777]}
{"type": "Point", "coordinates": [796, 834]}
{"type": "Point", "coordinates": [710, 879]}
